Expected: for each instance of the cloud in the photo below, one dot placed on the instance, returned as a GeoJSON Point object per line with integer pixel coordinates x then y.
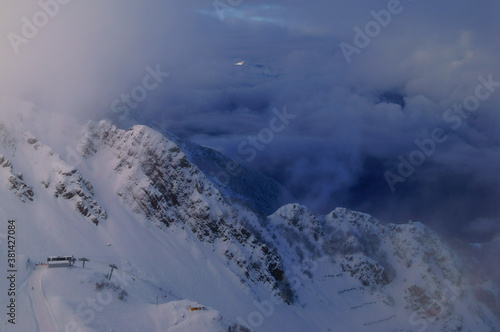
{"type": "Point", "coordinates": [346, 134]}
{"type": "Point", "coordinates": [483, 225]}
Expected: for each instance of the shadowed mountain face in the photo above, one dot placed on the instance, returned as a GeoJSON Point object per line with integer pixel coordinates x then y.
{"type": "Point", "coordinates": [159, 209]}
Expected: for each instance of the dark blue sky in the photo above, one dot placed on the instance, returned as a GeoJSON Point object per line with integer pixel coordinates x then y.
{"type": "Point", "coordinates": [365, 81]}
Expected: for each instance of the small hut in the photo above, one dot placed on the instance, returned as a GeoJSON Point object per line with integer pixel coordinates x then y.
{"type": "Point", "coordinates": [60, 261]}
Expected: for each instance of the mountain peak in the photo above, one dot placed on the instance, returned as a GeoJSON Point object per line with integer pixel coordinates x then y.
{"type": "Point", "coordinates": [156, 209]}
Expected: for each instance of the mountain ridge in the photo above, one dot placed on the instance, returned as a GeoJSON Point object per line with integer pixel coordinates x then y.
{"type": "Point", "coordinates": [138, 199]}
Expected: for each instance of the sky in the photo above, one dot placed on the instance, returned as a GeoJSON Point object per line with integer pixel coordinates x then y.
{"type": "Point", "coordinates": [386, 107]}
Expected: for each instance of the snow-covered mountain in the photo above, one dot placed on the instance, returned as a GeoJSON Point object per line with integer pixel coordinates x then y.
{"type": "Point", "coordinates": [164, 236]}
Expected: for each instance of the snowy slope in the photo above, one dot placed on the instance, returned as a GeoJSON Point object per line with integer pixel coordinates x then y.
{"type": "Point", "coordinates": [139, 200]}
{"type": "Point", "coordinates": [237, 182]}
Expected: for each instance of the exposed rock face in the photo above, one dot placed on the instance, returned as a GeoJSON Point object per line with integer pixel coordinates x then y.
{"type": "Point", "coordinates": [157, 180]}
{"type": "Point", "coordinates": [172, 185]}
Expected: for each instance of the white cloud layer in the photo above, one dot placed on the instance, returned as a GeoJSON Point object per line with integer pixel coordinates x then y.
{"type": "Point", "coordinates": [345, 136]}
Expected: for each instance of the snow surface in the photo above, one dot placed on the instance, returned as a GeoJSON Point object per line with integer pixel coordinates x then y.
{"type": "Point", "coordinates": [343, 272]}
